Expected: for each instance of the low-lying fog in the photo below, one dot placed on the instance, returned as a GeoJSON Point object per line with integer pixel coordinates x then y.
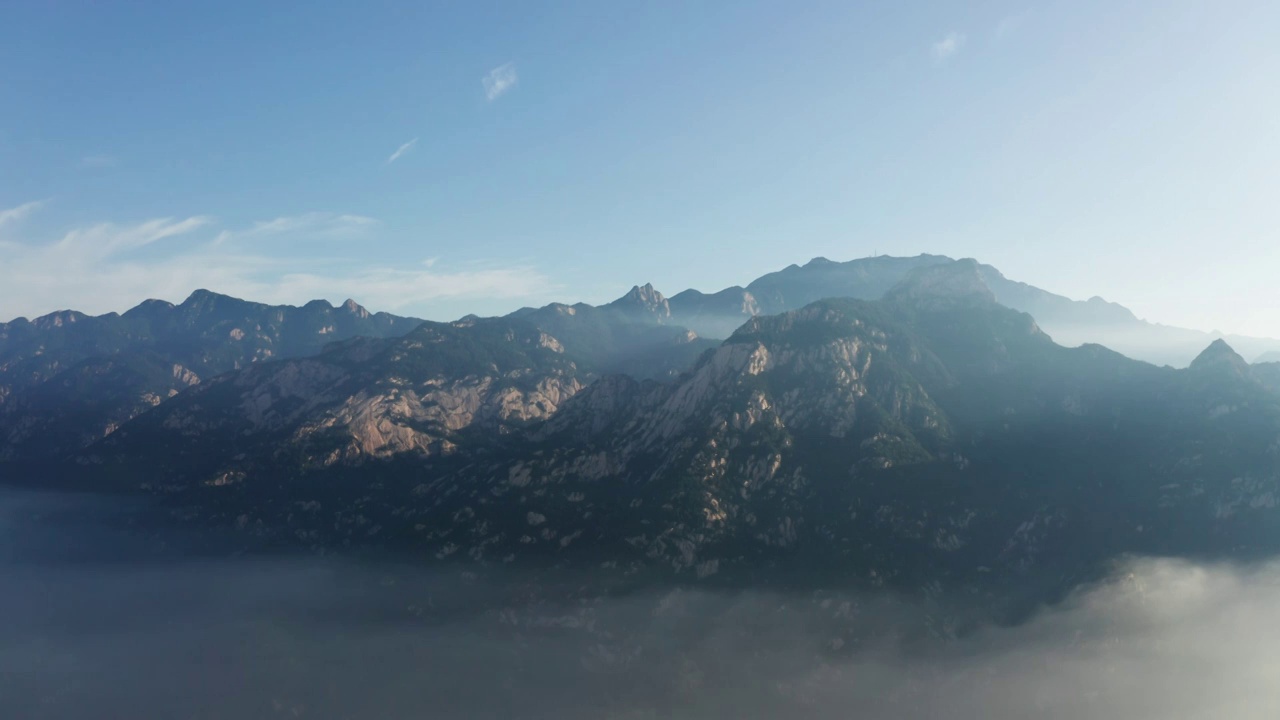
{"type": "Point", "coordinates": [96, 624]}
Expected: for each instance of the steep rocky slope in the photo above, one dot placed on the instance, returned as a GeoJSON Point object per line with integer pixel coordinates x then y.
{"type": "Point", "coordinates": [359, 400]}
{"type": "Point", "coordinates": [67, 379]}
{"type": "Point", "coordinates": [932, 437]}
{"type": "Point", "coordinates": [933, 429]}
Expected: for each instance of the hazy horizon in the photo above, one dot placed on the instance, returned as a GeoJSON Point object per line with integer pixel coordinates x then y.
{"type": "Point", "coordinates": [1070, 338]}
{"type": "Point", "coordinates": [443, 160]}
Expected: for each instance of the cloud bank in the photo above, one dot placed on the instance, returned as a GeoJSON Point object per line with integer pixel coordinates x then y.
{"type": "Point", "coordinates": [314, 638]}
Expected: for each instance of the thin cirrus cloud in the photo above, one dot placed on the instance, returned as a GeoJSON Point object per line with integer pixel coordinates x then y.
{"type": "Point", "coordinates": [499, 81]}
{"type": "Point", "coordinates": [18, 214]}
{"type": "Point", "coordinates": [402, 151]}
{"type": "Point", "coordinates": [948, 47]}
{"type": "Point", "coordinates": [107, 267]}
{"type": "Point", "coordinates": [312, 225]}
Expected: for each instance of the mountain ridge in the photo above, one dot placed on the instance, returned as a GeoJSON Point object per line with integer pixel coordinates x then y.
{"type": "Point", "coordinates": [933, 435]}
{"type": "Point", "coordinates": [643, 333]}
{"type": "Point", "coordinates": [928, 435]}
{"type": "Point", "coordinates": [716, 315]}
{"type": "Point", "coordinates": [1072, 322]}
{"type": "Point", "coordinates": [67, 378]}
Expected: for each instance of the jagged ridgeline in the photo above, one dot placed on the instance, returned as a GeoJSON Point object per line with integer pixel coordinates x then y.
{"type": "Point", "coordinates": [68, 379]}
{"type": "Point", "coordinates": [932, 435]}
{"type": "Point", "coordinates": [921, 433]}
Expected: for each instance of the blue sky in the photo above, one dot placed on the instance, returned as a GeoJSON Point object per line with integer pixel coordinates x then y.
{"type": "Point", "coordinates": [449, 158]}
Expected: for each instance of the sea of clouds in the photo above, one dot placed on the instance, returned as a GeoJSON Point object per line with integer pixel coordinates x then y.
{"type": "Point", "coordinates": [87, 632]}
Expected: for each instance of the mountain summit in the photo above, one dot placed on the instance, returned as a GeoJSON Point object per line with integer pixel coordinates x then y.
{"type": "Point", "coordinates": [644, 301]}
{"type": "Point", "coordinates": [960, 282]}
{"type": "Point", "coordinates": [1220, 357]}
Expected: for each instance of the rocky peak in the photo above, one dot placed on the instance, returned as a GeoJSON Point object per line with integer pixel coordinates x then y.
{"type": "Point", "coordinates": [61, 318]}
{"type": "Point", "coordinates": [203, 301]}
{"type": "Point", "coordinates": [150, 309]}
{"type": "Point", "coordinates": [200, 296]}
{"type": "Point", "coordinates": [952, 284]}
{"type": "Point", "coordinates": [1220, 357]}
{"type": "Point", "coordinates": [355, 308]}
{"type": "Point", "coordinates": [643, 299]}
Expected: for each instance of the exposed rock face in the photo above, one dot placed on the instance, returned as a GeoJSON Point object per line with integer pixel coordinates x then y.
{"type": "Point", "coordinates": [917, 439]}
{"type": "Point", "coordinates": [643, 301]}
{"type": "Point", "coordinates": [355, 309]}
{"type": "Point", "coordinates": [121, 361]}
{"type": "Point", "coordinates": [642, 334]}
{"type": "Point", "coordinates": [929, 436]}
{"type": "Point", "coordinates": [67, 379]}
{"type": "Point", "coordinates": [717, 457]}
{"type": "Point", "coordinates": [365, 399]}
{"type": "Point", "coordinates": [409, 421]}
{"type": "Point", "coordinates": [83, 403]}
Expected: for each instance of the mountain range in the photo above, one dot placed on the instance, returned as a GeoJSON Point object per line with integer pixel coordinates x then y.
{"type": "Point", "coordinates": [901, 421]}
{"type": "Point", "coordinates": [67, 379]}
{"type": "Point", "coordinates": [1069, 322]}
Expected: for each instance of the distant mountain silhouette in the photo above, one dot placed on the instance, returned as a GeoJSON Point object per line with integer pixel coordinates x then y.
{"type": "Point", "coordinates": [1070, 322]}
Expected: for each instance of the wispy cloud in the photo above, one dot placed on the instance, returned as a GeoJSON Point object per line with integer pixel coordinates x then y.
{"type": "Point", "coordinates": [948, 47]}
{"type": "Point", "coordinates": [17, 214]}
{"type": "Point", "coordinates": [499, 80]}
{"type": "Point", "coordinates": [106, 239]}
{"type": "Point", "coordinates": [98, 161]}
{"type": "Point", "coordinates": [324, 225]}
{"type": "Point", "coordinates": [110, 267]}
{"type": "Point", "coordinates": [400, 151]}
